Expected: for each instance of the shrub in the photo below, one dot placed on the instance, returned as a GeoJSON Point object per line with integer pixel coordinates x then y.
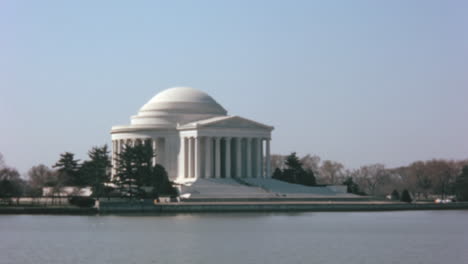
{"type": "Point", "coordinates": [406, 197]}
{"type": "Point", "coordinates": [395, 195]}
{"type": "Point", "coordinates": [81, 201]}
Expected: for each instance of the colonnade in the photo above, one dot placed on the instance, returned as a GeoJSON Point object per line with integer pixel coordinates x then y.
{"type": "Point", "coordinates": [224, 157]}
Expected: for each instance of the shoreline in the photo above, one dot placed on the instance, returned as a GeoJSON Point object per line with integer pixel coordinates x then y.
{"type": "Point", "coordinates": [231, 207]}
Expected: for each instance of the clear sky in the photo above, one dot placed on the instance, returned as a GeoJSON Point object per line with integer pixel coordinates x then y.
{"type": "Point", "coordinates": [358, 82]}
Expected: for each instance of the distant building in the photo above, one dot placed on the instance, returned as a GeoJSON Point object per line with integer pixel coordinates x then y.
{"type": "Point", "coordinates": [194, 137]}
{"type": "Point", "coordinates": [66, 191]}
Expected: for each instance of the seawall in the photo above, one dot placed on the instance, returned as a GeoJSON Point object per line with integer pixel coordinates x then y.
{"type": "Point", "coordinates": [225, 207]}
{"type": "Point", "coordinates": [47, 210]}
{"type": "Point", "coordinates": [220, 207]}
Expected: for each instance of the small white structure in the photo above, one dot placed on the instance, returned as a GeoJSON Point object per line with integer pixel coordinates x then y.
{"type": "Point", "coordinates": [67, 191]}
{"type": "Point", "coordinates": [193, 137]}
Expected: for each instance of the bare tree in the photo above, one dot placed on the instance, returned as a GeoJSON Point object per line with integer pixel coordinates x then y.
{"type": "Point", "coordinates": [311, 163]}
{"type": "Point", "coordinates": [419, 178]}
{"type": "Point", "coordinates": [374, 179]}
{"type": "Point", "coordinates": [277, 161]}
{"type": "Point", "coordinates": [41, 175]}
{"type": "Point", "coordinates": [331, 172]}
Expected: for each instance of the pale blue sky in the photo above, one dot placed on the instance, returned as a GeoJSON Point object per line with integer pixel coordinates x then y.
{"type": "Point", "coordinates": [353, 81]}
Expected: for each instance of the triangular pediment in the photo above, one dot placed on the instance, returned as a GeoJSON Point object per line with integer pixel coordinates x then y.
{"type": "Point", "coordinates": [230, 122]}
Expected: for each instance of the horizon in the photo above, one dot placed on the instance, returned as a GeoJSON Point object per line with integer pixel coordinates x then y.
{"type": "Point", "coordinates": [348, 82]}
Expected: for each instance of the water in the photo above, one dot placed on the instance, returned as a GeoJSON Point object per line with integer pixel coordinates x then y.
{"type": "Point", "coordinates": [375, 237]}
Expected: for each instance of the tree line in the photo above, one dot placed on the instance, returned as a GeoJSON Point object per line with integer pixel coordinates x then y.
{"type": "Point", "coordinates": [136, 175]}
{"type": "Point", "coordinates": [421, 179]}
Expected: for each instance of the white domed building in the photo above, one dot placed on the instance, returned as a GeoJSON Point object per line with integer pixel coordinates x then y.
{"type": "Point", "coordinates": [194, 137]}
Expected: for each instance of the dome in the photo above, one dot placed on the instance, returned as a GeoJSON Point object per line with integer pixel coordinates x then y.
{"type": "Point", "coordinates": [178, 105]}
{"type": "Point", "coordinates": [183, 99]}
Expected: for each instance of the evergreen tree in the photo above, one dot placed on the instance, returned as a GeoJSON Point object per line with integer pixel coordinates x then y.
{"type": "Point", "coordinates": [352, 187]}
{"type": "Point", "coordinates": [406, 197]}
{"type": "Point", "coordinates": [395, 195]}
{"type": "Point", "coordinates": [461, 185]}
{"type": "Point", "coordinates": [68, 170]}
{"type": "Point", "coordinates": [135, 170]}
{"type": "Point", "coordinates": [96, 171]}
{"type": "Point", "coordinates": [308, 178]}
{"type": "Point", "coordinates": [293, 162]}
{"type": "Point", "coordinates": [294, 172]}
{"type": "Point", "coordinates": [159, 180]}
{"type": "Point", "coordinates": [277, 174]}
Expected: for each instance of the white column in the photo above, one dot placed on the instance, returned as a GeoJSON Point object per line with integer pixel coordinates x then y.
{"type": "Point", "coordinates": [262, 160]}
{"type": "Point", "coordinates": [268, 166]}
{"type": "Point", "coordinates": [208, 157]}
{"type": "Point", "coordinates": [186, 157]}
{"type": "Point", "coordinates": [114, 156]}
{"type": "Point", "coordinates": [118, 150]}
{"type": "Point", "coordinates": [181, 171]}
{"type": "Point", "coordinates": [227, 161]}
{"type": "Point", "coordinates": [218, 157]}
{"type": "Point", "coordinates": [155, 150]}
{"type": "Point", "coordinates": [238, 157]}
{"type": "Point", "coordinates": [190, 158]}
{"type": "Point", "coordinates": [249, 157]}
{"type": "Point", "coordinates": [197, 157]}
{"type": "Point", "coordinates": [259, 158]}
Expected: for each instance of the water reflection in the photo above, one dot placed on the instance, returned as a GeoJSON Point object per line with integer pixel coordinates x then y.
{"type": "Point", "coordinates": [361, 237]}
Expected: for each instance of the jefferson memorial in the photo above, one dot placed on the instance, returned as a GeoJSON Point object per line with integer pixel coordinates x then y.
{"type": "Point", "coordinates": [194, 137]}
{"type": "Point", "coordinates": [207, 153]}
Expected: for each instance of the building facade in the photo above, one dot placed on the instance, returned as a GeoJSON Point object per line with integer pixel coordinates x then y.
{"type": "Point", "coordinates": [194, 137]}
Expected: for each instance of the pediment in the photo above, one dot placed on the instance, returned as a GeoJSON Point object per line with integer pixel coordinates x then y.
{"type": "Point", "coordinates": [231, 122]}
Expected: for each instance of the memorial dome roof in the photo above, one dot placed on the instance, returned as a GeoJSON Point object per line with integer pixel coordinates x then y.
{"type": "Point", "coordinates": [177, 106]}
{"type": "Point", "coordinates": [184, 100]}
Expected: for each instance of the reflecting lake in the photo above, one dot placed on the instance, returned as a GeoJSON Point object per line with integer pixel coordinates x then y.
{"type": "Point", "coordinates": [361, 237]}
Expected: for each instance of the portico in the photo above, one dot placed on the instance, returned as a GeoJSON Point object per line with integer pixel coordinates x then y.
{"type": "Point", "coordinates": [224, 153]}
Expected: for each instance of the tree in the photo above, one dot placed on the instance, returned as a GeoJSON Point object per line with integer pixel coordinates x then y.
{"type": "Point", "coordinates": [294, 172]}
{"type": "Point", "coordinates": [294, 169]}
{"type": "Point", "coordinates": [277, 161]}
{"type": "Point", "coordinates": [373, 179]}
{"type": "Point", "coordinates": [395, 195]}
{"type": "Point", "coordinates": [68, 170]}
{"type": "Point", "coordinates": [331, 172]}
{"type": "Point", "coordinates": [96, 171]}
{"type": "Point", "coordinates": [311, 163]}
{"type": "Point", "coordinates": [40, 176]}
{"type": "Point", "coordinates": [11, 184]}
{"type": "Point", "coordinates": [293, 162]}
{"type": "Point", "coordinates": [307, 177]}
{"type": "Point", "coordinates": [352, 187]}
{"type": "Point", "coordinates": [461, 185]}
{"type": "Point", "coordinates": [417, 170]}
{"type": "Point", "coordinates": [159, 180]}
{"type": "Point", "coordinates": [406, 197]}
{"type": "Point", "coordinates": [277, 174]}
{"type": "Point", "coordinates": [135, 170]}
